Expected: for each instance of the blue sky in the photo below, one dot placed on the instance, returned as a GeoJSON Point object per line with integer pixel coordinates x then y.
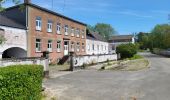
{"type": "Point", "coordinates": [126, 16]}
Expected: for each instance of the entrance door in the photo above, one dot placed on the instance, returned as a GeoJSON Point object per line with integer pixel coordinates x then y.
{"type": "Point", "coordinates": [66, 47]}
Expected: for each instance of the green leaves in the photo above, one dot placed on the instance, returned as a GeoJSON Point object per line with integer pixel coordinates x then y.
{"type": "Point", "coordinates": [105, 30]}
{"type": "Point", "coordinates": [21, 82]}
{"type": "Point", "coordinates": [127, 50]}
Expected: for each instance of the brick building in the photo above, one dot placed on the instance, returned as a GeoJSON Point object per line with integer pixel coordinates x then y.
{"type": "Point", "coordinates": [48, 31]}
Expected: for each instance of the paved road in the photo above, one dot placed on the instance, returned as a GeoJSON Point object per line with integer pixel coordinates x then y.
{"type": "Point", "coordinates": [152, 84]}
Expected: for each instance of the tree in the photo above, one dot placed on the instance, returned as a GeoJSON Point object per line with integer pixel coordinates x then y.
{"type": "Point", "coordinates": [160, 36]}
{"type": "Point", "coordinates": [3, 1]}
{"type": "Point", "coordinates": [143, 40]}
{"type": "Point", "coordinates": [106, 30]}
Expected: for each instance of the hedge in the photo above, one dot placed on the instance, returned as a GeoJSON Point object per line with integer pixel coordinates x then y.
{"type": "Point", "coordinates": [127, 50]}
{"type": "Point", "coordinates": [21, 82]}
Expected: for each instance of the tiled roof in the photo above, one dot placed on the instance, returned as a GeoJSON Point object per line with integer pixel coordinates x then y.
{"type": "Point", "coordinates": [47, 10]}
{"type": "Point", "coordinates": [122, 37]}
{"type": "Point", "coordinates": [95, 36]}
{"type": "Point", "coordinates": [5, 21]}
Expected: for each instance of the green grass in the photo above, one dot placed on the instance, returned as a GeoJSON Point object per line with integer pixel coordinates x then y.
{"type": "Point", "coordinates": [135, 57]}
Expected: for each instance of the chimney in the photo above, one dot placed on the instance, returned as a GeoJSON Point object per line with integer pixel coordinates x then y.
{"type": "Point", "coordinates": [27, 1]}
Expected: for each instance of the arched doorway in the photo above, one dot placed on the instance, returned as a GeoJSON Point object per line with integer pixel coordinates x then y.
{"type": "Point", "coordinates": [14, 52]}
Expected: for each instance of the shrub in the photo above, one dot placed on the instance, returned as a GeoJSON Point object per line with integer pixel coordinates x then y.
{"type": "Point", "coordinates": [127, 50]}
{"type": "Point", "coordinates": [21, 82]}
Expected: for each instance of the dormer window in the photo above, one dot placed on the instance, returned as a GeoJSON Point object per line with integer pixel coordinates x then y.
{"type": "Point", "coordinates": [49, 26]}
{"type": "Point", "coordinates": [38, 23]}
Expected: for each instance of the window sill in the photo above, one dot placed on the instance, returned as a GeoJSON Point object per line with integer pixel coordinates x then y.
{"type": "Point", "coordinates": [38, 51]}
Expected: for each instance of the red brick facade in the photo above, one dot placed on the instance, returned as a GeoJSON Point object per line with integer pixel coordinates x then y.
{"type": "Point", "coordinates": [33, 34]}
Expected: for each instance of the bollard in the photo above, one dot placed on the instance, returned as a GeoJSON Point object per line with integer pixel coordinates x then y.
{"type": "Point", "coordinates": [71, 61]}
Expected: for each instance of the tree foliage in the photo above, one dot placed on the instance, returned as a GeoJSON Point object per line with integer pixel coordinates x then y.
{"type": "Point", "coordinates": [127, 50]}
{"type": "Point", "coordinates": [3, 1]}
{"type": "Point", "coordinates": [105, 30]}
{"type": "Point", "coordinates": [143, 40]}
{"type": "Point", "coordinates": [160, 36]}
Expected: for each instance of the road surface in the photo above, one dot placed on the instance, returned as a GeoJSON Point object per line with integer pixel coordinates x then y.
{"type": "Point", "coordinates": [149, 84]}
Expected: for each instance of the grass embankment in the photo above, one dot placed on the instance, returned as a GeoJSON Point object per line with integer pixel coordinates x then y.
{"type": "Point", "coordinates": [135, 63]}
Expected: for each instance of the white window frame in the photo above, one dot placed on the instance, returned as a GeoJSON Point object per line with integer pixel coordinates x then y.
{"type": "Point", "coordinates": [72, 31]}
{"type": "Point", "coordinates": [49, 45]}
{"type": "Point", "coordinates": [58, 28]}
{"type": "Point", "coordinates": [38, 45]}
{"type": "Point", "coordinates": [49, 26]}
{"type": "Point", "coordinates": [83, 46]}
{"type": "Point", "coordinates": [83, 34]}
{"type": "Point", "coordinates": [78, 32]}
{"type": "Point", "coordinates": [59, 46]}
{"type": "Point", "coordinates": [78, 46]}
{"type": "Point", "coordinates": [88, 47]}
{"type": "Point", "coordinates": [72, 46]}
{"type": "Point", "coordinates": [66, 29]}
{"type": "Point", "coordinates": [38, 23]}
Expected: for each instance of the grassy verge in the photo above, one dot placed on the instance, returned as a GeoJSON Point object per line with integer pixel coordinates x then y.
{"type": "Point", "coordinates": [60, 67]}
{"type": "Point", "coordinates": [135, 57]}
{"type": "Point", "coordinates": [133, 65]}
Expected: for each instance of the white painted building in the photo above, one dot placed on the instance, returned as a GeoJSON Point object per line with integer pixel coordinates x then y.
{"type": "Point", "coordinates": [120, 39]}
{"type": "Point", "coordinates": [16, 39]}
{"type": "Point", "coordinates": [95, 44]}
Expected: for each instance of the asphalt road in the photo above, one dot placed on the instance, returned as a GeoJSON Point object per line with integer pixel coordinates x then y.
{"type": "Point", "coordinates": [149, 84]}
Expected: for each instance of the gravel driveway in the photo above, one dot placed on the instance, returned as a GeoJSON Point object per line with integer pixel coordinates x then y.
{"type": "Point", "coordinates": [150, 84]}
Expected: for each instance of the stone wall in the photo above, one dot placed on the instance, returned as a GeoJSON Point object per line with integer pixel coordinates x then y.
{"type": "Point", "coordinates": [92, 59]}
{"type": "Point", "coordinates": [38, 61]}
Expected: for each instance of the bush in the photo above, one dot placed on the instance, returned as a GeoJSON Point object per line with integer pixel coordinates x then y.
{"type": "Point", "coordinates": [127, 50]}
{"type": "Point", "coordinates": [21, 82]}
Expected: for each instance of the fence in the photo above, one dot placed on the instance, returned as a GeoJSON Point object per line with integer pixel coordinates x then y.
{"type": "Point", "coordinates": [92, 59]}
{"type": "Point", "coordinates": [17, 61]}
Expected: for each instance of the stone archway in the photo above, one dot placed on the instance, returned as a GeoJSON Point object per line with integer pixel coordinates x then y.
{"type": "Point", "coordinates": [14, 52]}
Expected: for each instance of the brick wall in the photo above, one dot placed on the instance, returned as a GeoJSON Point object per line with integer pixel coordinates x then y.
{"type": "Point", "coordinates": [45, 36]}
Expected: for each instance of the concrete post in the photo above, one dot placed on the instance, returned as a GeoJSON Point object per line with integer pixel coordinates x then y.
{"type": "Point", "coordinates": [46, 64]}
{"type": "Point", "coordinates": [71, 61]}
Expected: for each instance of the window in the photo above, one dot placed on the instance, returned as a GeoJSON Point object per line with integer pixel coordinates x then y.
{"type": "Point", "coordinates": [49, 26]}
{"type": "Point", "coordinates": [102, 47]}
{"type": "Point", "coordinates": [88, 47]}
{"type": "Point", "coordinates": [78, 46]}
{"type": "Point", "coordinates": [83, 34]}
{"type": "Point", "coordinates": [38, 23]}
{"type": "Point", "coordinates": [93, 46]}
{"type": "Point", "coordinates": [72, 46]}
{"type": "Point", "coordinates": [49, 45]}
{"type": "Point", "coordinates": [83, 47]}
{"type": "Point", "coordinates": [66, 29]}
{"type": "Point", "coordinates": [78, 32]}
{"type": "Point", "coordinates": [72, 31]}
{"type": "Point", "coordinates": [98, 47]}
{"type": "Point", "coordinates": [38, 45]}
{"type": "Point", "coordinates": [58, 46]}
{"type": "Point", "coordinates": [58, 28]}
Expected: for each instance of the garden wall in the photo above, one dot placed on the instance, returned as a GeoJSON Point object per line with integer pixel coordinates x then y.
{"type": "Point", "coordinates": [38, 61]}
{"type": "Point", "coordinates": [92, 59]}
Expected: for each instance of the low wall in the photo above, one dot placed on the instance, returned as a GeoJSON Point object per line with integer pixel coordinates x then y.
{"type": "Point", "coordinates": [39, 61]}
{"type": "Point", "coordinates": [92, 59]}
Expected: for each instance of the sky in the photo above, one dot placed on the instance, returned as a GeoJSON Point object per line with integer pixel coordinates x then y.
{"type": "Point", "coordinates": [125, 16]}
